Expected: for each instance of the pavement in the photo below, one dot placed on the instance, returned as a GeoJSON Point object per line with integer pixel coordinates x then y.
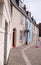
{"type": "Point", "coordinates": [34, 55]}
{"type": "Point", "coordinates": [16, 57]}
{"type": "Point", "coordinates": [25, 55]}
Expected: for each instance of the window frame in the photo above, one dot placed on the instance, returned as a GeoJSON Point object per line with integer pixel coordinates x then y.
{"type": "Point", "coordinates": [21, 35]}
{"type": "Point", "coordinates": [21, 19]}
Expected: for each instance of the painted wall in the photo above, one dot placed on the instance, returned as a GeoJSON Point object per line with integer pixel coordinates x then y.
{"type": "Point", "coordinates": [7, 18]}
{"type": "Point", "coordinates": [16, 16]}
{"type": "Point", "coordinates": [40, 39]}
{"type": "Point", "coordinates": [1, 46]}
{"type": "Point", "coordinates": [1, 36]}
{"type": "Point", "coordinates": [29, 36]}
{"type": "Point", "coordinates": [35, 33]}
{"type": "Point", "coordinates": [4, 16]}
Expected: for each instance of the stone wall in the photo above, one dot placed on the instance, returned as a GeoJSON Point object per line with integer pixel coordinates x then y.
{"type": "Point", "coordinates": [5, 16]}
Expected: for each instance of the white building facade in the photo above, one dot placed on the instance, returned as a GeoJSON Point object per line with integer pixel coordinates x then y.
{"type": "Point", "coordinates": [5, 20]}
{"type": "Point", "coordinates": [18, 25]}
{"type": "Point", "coordinates": [12, 26]}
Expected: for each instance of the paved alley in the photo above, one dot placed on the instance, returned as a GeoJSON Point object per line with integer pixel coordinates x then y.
{"type": "Point", "coordinates": [31, 55]}
{"type": "Point", "coordinates": [16, 57]}
{"type": "Point", "coordinates": [34, 55]}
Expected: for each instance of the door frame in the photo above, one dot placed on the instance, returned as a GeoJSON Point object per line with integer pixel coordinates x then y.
{"type": "Point", "coordinates": [14, 38]}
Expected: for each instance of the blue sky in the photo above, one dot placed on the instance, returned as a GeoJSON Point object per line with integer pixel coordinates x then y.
{"type": "Point", "coordinates": [34, 6]}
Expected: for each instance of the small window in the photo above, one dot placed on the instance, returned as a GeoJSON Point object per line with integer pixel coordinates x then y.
{"type": "Point", "coordinates": [21, 19]}
{"type": "Point", "coordinates": [20, 3]}
{"type": "Point", "coordinates": [0, 21]}
{"type": "Point", "coordinates": [29, 34]}
{"type": "Point", "coordinates": [26, 24]}
{"type": "Point", "coordinates": [21, 34]}
{"type": "Point", "coordinates": [29, 24]}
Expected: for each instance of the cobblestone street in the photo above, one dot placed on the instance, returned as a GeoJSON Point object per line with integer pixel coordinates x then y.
{"type": "Point", "coordinates": [31, 55]}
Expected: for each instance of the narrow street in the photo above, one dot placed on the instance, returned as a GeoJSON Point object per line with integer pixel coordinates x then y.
{"type": "Point", "coordinates": [25, 55]}
{"type": "Point", "coordinates": [20, 32]}
{"type": "Point", "coordinates": [16, 57]}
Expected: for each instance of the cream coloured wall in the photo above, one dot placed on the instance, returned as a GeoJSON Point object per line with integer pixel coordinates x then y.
{"type": "Point", "coordinates": [4, 17]}
{"type": "Point", "coordinates": [15, 23]}
{"type": "Point", "coordinates": [16, 15]}
{"type": "Point", "coordinates": [7, 18]}
{"type": "Point", "coordinates": [40, 39]}
{"type": "Point", "coordinates": [1, 46]}
{"type": "Point", "coordinates": [1, 36]}
{"type": "Point", "coordinates": [1, 11]}
{"type": "Point", "coordinates": [35, 33]}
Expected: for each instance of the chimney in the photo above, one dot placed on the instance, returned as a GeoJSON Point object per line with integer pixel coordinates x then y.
{"type": "Point", "coordinates": [17, 1]}
{"type": "Point", "coordinates": [32, 18]}
{"type": "Point", "coordinates": [28, 13]}
{"type": "Point", "coordinates": [24, 7]}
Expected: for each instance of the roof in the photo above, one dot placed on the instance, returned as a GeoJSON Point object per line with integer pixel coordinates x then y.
{"type": "Point", "coordinates": [37, 25]}
{"type": "Point", "coordinates": [13, 2]}
{"type": "Point", "coordinates": [32, 21]}
{"type": "Point", "coordinates": [28, 13]}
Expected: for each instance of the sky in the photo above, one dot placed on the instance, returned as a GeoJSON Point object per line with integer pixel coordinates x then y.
{"type": "Point", "coordinates": [34, 6]}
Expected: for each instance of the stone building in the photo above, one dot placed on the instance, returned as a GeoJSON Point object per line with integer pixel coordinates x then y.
{"type": "Point", "coordinates": [33, 30]}
{"type": "Point", "coordinates": [29, 27]}
{"type": "Point", "coordinates": [18, 23]}
{"type": "Point", "coordinates": [13, 18]}
{"type": "Point", "coordinates": [5, 20]}
{"type": "Point", "coordinates": [35, 33]}
{"type": "Point", "coordinates": [12, 26]}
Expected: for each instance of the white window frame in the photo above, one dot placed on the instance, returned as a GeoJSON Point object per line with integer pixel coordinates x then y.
{"type": "Point", "coordinates": [21, 19]}
{"type": "Point", "coordinates": [21, 35]}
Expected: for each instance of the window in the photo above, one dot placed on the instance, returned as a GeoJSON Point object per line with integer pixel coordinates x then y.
{"type": "Point", "coordinates": [29, 24]}
{"type": "Point", "coordinates": [8, 2]}
{"type": "Point", "coordinates": [26, 24]}
{"type": "Point", "coordinates": [34, 27]}
{"type": "Point", "coordinates": [0, 21]}
{"type": "Point", "coordinates": [21, 33]}
{"type": "Point", "coordinates": [29, 34]}
{"type": "Point", "coordinates": [20, 3]}
{"type": "Point", "coordinates": [21, 19]}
